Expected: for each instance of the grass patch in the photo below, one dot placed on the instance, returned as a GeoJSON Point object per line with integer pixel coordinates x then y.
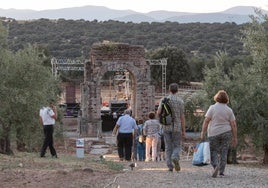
{"type": "Point", "coordinates": [67, 162]}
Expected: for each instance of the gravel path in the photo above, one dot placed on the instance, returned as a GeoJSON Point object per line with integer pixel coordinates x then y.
{"type": "Point", "coordinates": [155, 174]}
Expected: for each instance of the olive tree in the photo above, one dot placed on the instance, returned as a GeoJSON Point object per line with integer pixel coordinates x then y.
{"type": "Point", "coordinates": [256, 42]}
{"type": "Point", "coordinates": [26, 84]}
{"type": "Point", "coordinates": [246, 85]}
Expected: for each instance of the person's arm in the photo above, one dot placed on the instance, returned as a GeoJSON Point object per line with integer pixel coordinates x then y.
{"type": "Point", "coordinates": [55, 116]}
{"type": "Point", "coordinates": [234, 132]}
{"type": "Point", "coordinates": [40, 120]}
{"type": "Point", "coordinates": [116, 127]}
{"type": "Point", "coordinates": [115, 130]}
{"type": "Point", "coordinates": [145, 129]}
{"type": "Point", "coordinates": [204, 127]}
{"type": "Point", "coordinates": [40, 117]}
{"type": "Point", "coordinates": [135, 129]}
{"type": "Point", "coordinates": [182, 118]}
{"type": "Point", "coordinates": [159, 109]}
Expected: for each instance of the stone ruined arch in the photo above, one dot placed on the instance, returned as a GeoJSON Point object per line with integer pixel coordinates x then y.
{"type": "Point", "coordinates": [106, 57]}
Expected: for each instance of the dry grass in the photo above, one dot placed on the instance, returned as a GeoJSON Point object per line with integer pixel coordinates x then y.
{"type": "Point", "coordinates": [29, 170]}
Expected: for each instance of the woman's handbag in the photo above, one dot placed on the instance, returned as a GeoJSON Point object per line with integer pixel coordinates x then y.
{"type": "Point", "coordinates": [201, 155]}
{"type": "Point", "coordinates": [142, 139]}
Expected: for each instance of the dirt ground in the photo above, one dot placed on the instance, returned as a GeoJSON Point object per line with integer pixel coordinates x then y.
{"type": "Point", "coordinates": [30, 171]}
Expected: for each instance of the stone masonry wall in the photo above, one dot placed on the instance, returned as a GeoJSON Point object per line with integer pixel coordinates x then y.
{"type": "Point", "coordinates": [115, 57]}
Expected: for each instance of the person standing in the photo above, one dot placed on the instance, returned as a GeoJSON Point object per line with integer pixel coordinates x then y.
{"type": "Point", "coordinates": [160, 146]}
{"type": "Point", "coordinates": [126, 127]}
{"type": "Point", "coordinates": [151, 130]}
{"type": "Point", "coordinates": [140, 140]}
{"type": "Point", "coordinates": [134, 146]}
{"type": "Point", "coordinates": [47, 117]}
{"type": "Point", "coordinates": [176, 131]}
{"type": "Point", "coordinates": [220, 125]}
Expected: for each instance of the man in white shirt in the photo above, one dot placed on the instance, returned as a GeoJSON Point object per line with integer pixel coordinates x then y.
{"type": "Point", "coordinates": [47, 117]}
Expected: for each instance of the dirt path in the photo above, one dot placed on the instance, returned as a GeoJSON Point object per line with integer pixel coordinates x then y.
{"type": "Point", "coordinates": [28, 170]}
{"type": "Point", "coordinates": [155, 174]}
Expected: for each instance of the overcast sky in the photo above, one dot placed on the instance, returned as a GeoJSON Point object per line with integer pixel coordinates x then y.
{"type": "Point", "coordinates": [137, 5]}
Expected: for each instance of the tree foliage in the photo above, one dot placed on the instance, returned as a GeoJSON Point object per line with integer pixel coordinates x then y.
{"type": "Point", "coordinates": [246, 84]}
{"type": "Point", "coordinates": [177, 69]}
{"type": "Point", "coordinates": [256, 41]}
{"type": "Point", "coordinates": [74, 38]}
{"type": "Point", "coordinates": [70, 38]}
{"type": "Point", "coordinates": [26, 84]}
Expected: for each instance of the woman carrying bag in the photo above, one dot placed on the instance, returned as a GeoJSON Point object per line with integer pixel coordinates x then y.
{"type": "Point", "coordinates": [221, 129]}
{"type": "Point", "coordinates": [151, 130]}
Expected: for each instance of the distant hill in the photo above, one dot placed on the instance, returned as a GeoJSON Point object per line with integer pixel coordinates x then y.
{"type": "Point", "coordinates": [211, 18]}
{"type": "Point", "coordinates": [99, 13]}
{"type": "Point", "coordinates": [136, 18]}
{"type": "Point", "coordinates": [237, 15]}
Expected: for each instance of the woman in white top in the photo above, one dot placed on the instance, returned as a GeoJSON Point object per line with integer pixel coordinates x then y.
{"type": "Point", "coordinates": [151, 130]}
{"type": "Point", "coordinates": [220, 126]}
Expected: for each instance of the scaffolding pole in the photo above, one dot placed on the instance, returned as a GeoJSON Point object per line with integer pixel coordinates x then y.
{"type": "Point", "coordinates": [77, 65]}
{"type": "Point", "coordinates": [66, 65]}
{"type": "Point", "coordinates": [163, 63]}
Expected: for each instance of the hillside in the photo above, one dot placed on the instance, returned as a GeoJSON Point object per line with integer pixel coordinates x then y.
{"type": "Point", "coordinates": [73, 39]}
{"type": "Point", "coordinates": [238, 15]}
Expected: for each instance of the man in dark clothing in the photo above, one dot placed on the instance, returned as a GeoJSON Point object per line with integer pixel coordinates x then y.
{"type": "Point", "coordinates": [126, 127]}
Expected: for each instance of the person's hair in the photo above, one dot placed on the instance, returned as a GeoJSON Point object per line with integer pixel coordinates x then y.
{"type": "Point", "coordinates": [173, 88]}
{"type": "Point", "coordinates": [151, 115]}
{"type": "Point", "coordinates": [51, 101]}
{"type": "Point", "coordinates": [221, 97]}
{"type": "Point", "coordinates": [127, 111]}
{"type": "Point", "coordinates": [140, 121]}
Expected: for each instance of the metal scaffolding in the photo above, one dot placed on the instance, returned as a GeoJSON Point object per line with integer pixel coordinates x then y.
{"type": "Point", "coordinates": [77, 65]}
{"type": "Point", "coordinates": [66, 65]}
{"type": "Point", "coordinates": [163, 63]}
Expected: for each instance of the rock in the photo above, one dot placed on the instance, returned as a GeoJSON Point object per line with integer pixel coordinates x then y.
{"type": "Point", "coordinates": [90, 170]}
{"type": "Point", "coordinates": [245, 157]}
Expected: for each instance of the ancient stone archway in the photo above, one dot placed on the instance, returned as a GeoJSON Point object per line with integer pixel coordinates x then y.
{"type": "Point", "coordinates": [106, 57]}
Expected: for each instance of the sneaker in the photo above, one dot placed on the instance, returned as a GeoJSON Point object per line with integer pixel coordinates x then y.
{"type": "Point", "coordinates": [221, 175]}
{"type": "Point", "coordinates": [176, 164]}
{"type": "Point", "coordinates": [170, 169]}
{"type": "Point", "coordinates": [215, 173]}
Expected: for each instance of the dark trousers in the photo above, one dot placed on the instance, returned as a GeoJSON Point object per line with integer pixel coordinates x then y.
{"type": "Point", "coordinates": [48, 141]}
{"type": "Point", "coordinates": [124, 145]}
{"type": "Point", "coordinates": [219, 149]}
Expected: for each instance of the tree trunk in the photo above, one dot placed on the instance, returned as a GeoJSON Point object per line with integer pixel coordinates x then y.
{"type": "Point", "coordinates": [265, 145]}
{"type": "Point", "coordinates": [5, 146]}
{"type": "Point", "coordinates": [265, 158]}
{"type": "Point", "coordinates": [21, 146]}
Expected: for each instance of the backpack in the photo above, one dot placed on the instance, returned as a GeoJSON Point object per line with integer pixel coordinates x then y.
{"type": "Point", "coordinates": [165, 116]}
